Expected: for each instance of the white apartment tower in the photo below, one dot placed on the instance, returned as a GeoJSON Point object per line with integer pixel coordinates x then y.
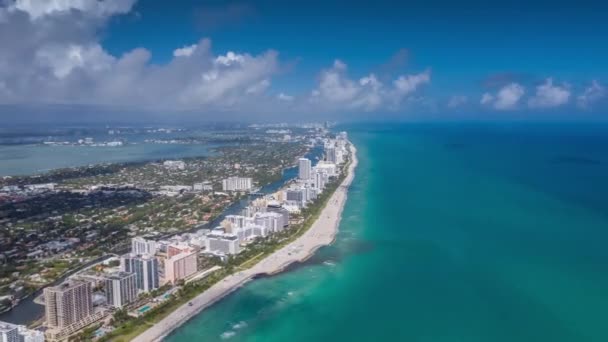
{"type": "Point", "coordinates": [68, 303]}
{"type": "Point", "coordinates": [320, 180]}
{"type": "Point", "coordinates": [304, 169]}
{"type": "Point", "coordinates": [145, 268]}
{"type": "Point", "coordinates": [121, 289]}
{"type": "Point", "coordinates": [141, 246]}
{"type": "Point", "coordinates": [331, 155]}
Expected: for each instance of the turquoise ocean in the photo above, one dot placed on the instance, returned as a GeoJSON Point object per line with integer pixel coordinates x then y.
{"type": "Point", "coordinates": [451, 232]}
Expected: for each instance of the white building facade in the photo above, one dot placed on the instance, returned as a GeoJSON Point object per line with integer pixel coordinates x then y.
{"type": "Point", "coordinates": [145, 268]}
{"type": "Point", "coordinates": [19, 333]}
{"type": "Point", "coordinates": [223, 243]}
{"type": "Point", "coordinates": [304, 169]}
{"type": "Point", "coordinates": [68, 303]}
{"type": "Point", "coordinates": [180, 266]}
{"type": "Point", "coordinates": [121, 289]}
{"type": "Point", "coordinates": [237, 184]}
{"type": "Point", "coordinates": [141, 246]}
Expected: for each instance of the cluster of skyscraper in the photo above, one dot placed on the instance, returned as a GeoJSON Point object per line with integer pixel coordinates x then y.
{"type": "Point", "coordinates": [70, 306]}
{"type": "Point", "coordinates": [158, 262]}
{"type": "Point", "coordinates": [313, 179]}
{"type": "Point", "coordinates": [261, 218]}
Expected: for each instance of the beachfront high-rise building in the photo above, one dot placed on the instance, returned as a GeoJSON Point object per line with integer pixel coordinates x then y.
{"type": "Point", "coordinates": [181, 265]}
{"type": "Point", "coordinates": [272, 221]}
{"type": "Point", "coordinates": [141, 246]}
{"type": "Point", "coordinates": [238, 221]}
{"type": "Point", "coordinates": [297, 196]}
{"type": "Point", "coordinates": [19, 333]}
{"type": "Point", "coordinates": [304, 169]}
{"type": "Point", "coordinates": [250, 231]}
{"type": "Point", "coordinates": [283, 212]}
{"type": "Point", "coordinates": [258, 205]}
{"type": "Point", "coordinates": [237, 184]}
{"type": "Point", "coordinates": [222, 243]}
{"type": "Point", "coordinates": [145, 268]}
{"type": "Point", "coordinates": [331, 155]}
{"type": "Point", "coordinates": [311, 194]}
{"type": "Point", "coordinates": [68, 303]}
{"type": "Point", "coordinates": [326, 167]}
{"type": "Point", "coordinates": [339, 156]}
{"type": "Point", "coordinates": [121, 289]}
{"type": "Point", "coordinates": [320, 180]}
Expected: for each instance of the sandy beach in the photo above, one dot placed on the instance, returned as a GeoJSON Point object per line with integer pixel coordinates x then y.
{"type": "Point", "coordinates": [321, 233]}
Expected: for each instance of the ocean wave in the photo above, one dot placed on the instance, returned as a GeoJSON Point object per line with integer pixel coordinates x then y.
{"type": "Point", "coordinates": [239, 325]}
{"type": "Point", "coordinates": [227, 334]}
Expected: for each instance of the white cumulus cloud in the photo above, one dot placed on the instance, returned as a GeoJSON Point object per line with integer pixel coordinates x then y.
{"type": "Point", "coordinates": [40, 8]}
{"type": "Point", "coordinates": [185, 51]}
{"type": "Point", "coordinates": [592, 94]}
{"type": "Point", "coordinates": [410, 83]}
{"type": "Point", "coordinates": [337, 90]}
{"type": "Point", "coordinates": [457, 101]}
{"type": "Point", "coordinates": [549, 95]}
{"type": "Point", "coordinates": [285, 97]}
{"type": "Point", "coordinates": [229, 59]}
{"type": "Point", "coordinates": [258, 87]}
{"type": "Point", "coordinates": [507, 97]}
{"type": "Point", "coordinates": [486, 98]}
{"type": "Point", "coordinates": [58, 59]}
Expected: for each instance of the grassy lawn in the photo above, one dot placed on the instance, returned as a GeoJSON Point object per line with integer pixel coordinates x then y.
{"type": "Point", "coordinates": [252, 261]}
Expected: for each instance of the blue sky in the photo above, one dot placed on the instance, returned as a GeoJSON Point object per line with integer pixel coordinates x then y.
{"type": "Point", "coordinates": [470, 59]}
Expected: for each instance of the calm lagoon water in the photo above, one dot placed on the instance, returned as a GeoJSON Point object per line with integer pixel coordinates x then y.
{"type": "Point", "coordinates": [31, 159]}
{"type": "Point", "coordinates": [451, 232]}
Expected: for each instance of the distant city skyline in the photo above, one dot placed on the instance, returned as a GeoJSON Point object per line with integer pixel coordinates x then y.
{"type": "Point", "coordinates": [135, 60]}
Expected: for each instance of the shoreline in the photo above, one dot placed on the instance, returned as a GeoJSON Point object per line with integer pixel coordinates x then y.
{"type": "Point", "coordinates": [30, 313]}
{"type": "Point", "coordinates": [321, 233]}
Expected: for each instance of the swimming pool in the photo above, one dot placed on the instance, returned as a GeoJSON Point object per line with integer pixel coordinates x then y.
{"type": "Point", "coordinates": [143, 309]}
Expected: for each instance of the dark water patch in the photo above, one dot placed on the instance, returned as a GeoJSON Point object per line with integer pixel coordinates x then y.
{"type": "Point", "coordinates": [454, 145]}
{"type": "Point", "coordinates": [564, 162]}
{"type": "Point", "coordinates": [575, 160]}
{"type": "Point", "coordinates": [523, 317]}
{"type": "Point", "coordinates": [312, 261]}
{"type": "Point", "coordinates": [355, 246]}
{"type": "Point", "coordinates": [291, 267]}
